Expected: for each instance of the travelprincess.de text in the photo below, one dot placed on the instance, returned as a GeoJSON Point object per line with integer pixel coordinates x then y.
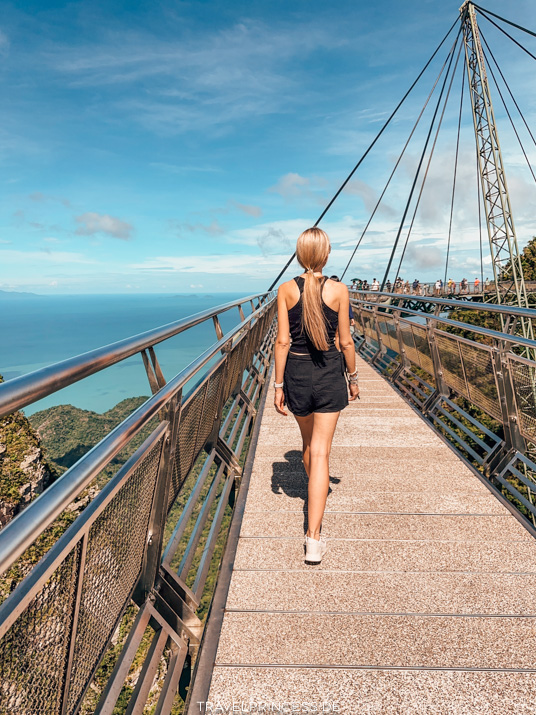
{"type": "Point", "coordinates": [219, 708]}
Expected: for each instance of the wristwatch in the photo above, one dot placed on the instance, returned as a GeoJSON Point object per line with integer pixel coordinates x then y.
{"type": "Point", "coordinates": [353, 377]}
{"type": "Point", "coordinates": [278, 384]}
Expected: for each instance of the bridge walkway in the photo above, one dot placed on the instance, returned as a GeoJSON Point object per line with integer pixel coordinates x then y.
{"type": "Point", "coordinates": [425, 601]}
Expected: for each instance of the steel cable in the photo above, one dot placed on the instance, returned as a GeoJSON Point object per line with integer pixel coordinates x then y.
{"type": "Point", "coordinates": [509, 22]}
{"type": "Point", "coordinates": [369, 148]}
{"type": "Point", "coordinates": [509, 90]}
{"type": "Point", "coordinates": [395, 168]}
{"type": "Point", "coordinates": [507, 34]}
{"type": "Point", "coordinates": [429, 161]}
{"type": "Point", "coordinates": [455, 174]}
{"type": "Point", "coordinates": [451, 54]}
{"type": "Point", "coordinates": [508, 112]}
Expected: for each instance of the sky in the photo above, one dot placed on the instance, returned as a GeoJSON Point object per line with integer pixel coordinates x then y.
{"type": "Point", "coordinates": [179, 147]}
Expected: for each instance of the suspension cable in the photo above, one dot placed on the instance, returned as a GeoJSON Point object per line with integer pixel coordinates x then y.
{"type": "Point", "coordinates": [519, 27]}
{"type": "Point", "coordinates": [508, 88]}
{"type": "Point", "coordinates": [417, 204]}
{"type": "Point", "coordinates": [451, 55]}
{"type": "Point", "coordinates": [508, 34]}
{"type": "Point", "coordinates": [395, 168]}
{"type": "Point", "coordinates": [508, 112]}
{"type": "Point", "coordinates": [369, 148]}
{"type": "Point", "coordinates": [455, 174]}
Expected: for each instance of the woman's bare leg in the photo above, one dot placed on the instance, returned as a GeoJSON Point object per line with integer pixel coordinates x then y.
{"type": "Point", "coordinates": [324, 424]}
{"type": "Point", "coordinates": [306, 428]}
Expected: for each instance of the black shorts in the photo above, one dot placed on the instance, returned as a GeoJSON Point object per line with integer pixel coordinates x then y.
{"type": "Point", "coordinates": [315, 384]}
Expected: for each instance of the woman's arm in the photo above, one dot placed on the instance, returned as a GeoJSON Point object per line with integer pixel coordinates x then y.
{"type": "Point", "coordinates": [282, 345]}
{"type": "Point", "coordinates": [345, 338]}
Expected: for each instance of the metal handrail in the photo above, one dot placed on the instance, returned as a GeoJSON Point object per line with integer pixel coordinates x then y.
{"type": "Point", "coordinates": [466, 305]}
{"type": "Point", "coordinates": [21, 391]}
{"type": "Point", "coordinates": [22, 531]}
{"type": "Point", "coordinates": [432, 368]}
{"type": "Point", "coordinates": [77, 593]}
{"type": "Point", "coordinates": [456, 289]}
{"type": "Point", "coordinates": [488, 332]}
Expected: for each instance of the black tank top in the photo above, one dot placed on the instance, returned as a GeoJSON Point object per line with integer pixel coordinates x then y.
{"type": "Point", "coordinates": [301, 343]}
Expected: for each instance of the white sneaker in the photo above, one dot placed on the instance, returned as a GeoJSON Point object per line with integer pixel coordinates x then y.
{"type": "Point", "coordinates": [314, 550]}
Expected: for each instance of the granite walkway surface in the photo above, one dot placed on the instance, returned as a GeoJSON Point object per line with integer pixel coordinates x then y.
{"type": "Point", "coordinates": [425, 601]}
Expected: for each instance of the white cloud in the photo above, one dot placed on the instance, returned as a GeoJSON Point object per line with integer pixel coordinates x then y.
{"type": "Point", "coordinates": [201, 80]}
{"type": "Point", "coordinates": [369, 196]}
{"type": "Point", "coordinates": [180, 169]}
{"type": "Point", "coordinates": [25, 257]}
{"type": "Point", "coordinates": [425, 257]}
{"type": "Point", "coordinates": [213, 229]}
{"type": "Point", "coordinates": [292, 187]}
{"type": "Point", "coordinates": [273, 241]}
{"type": "Point", "coordinates": [233, 264]}
{"type": "Point", "coordinates": [254, 211]}
{"type": "Point", "coordinates": [39, 197]}
{"type": "Point", "coordinates": [92, 223]}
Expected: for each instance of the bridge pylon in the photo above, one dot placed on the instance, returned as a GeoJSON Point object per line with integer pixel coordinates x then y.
{"type": "Point", "coordinates": [499, 219]}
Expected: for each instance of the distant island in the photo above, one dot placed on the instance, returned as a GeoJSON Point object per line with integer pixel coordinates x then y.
{"type": "Point", "coordinates": [18, 294]}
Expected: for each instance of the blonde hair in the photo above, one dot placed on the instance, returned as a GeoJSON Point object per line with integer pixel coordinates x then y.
{"type": "Point", "coordinates": [312, 251]}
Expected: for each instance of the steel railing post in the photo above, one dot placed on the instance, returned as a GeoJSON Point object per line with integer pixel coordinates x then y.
{"type": "Point", "coordinates": [74, 627]}
{"type": "Point", "coordinates": [158, 516]}
{"type": "Point", "coordinates": [404, 362]}
{"type": "Point", "coordinates": [513, 440]}
{"type": "Point", "coordinates": [381, 347]}
{"type": "Point", "coordinates": [441, 387]}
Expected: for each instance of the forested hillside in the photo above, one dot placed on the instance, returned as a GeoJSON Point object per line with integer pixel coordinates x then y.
{"type": "Point", "coordinates": [68, 432]}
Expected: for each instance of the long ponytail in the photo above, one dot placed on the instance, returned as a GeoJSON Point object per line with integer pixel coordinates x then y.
{"type": "Point", "coordinates": [312, 251]}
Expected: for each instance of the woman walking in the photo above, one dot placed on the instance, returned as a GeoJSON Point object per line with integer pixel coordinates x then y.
{"type": "Point", "coordinates": [310, 373]}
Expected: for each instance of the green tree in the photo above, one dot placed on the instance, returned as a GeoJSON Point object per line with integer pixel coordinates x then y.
{"type": "Point", "coordinates": [528, 262]}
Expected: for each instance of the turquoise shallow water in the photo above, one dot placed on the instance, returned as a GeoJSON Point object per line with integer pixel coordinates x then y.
{"type": "Point", "coordinates": [36, 331]}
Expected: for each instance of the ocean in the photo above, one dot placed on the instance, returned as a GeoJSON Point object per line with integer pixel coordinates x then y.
{"type": "Point", "coordinates": [36, 331]}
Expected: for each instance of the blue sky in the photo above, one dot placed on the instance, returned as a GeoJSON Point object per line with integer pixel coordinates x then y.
{"type": "Point", "coordinates": [183, 146]}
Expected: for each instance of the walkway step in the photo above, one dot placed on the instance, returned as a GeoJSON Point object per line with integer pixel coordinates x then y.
{"type": "Point", "coordinates": [384, 592]}
{"type": "Point", "coordinates": [385, 555]}
{"type": "Point", "coordinates": [379, 640]}
{"type": "Point", "coordinates": [378, 691]}
{"type": "Point", "coordinates": [390, 526]}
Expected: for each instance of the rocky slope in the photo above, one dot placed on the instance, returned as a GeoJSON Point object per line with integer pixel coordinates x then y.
{"type": "Point", "coordinates": [24, 470]}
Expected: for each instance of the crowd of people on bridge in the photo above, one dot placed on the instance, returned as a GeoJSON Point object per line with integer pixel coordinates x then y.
{"type": "Point", "coordinates": [439, 287]}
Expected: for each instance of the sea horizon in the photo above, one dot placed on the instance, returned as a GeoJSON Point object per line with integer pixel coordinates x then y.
{"type": "Point", "coordinates": [41, 332]}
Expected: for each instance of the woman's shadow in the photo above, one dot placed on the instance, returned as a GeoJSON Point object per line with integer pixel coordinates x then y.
{"type": "Point", "coordinates": [290, 478]}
